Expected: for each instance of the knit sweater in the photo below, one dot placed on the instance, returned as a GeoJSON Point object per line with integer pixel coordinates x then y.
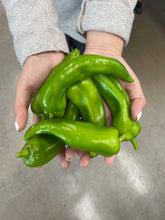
{"type": "Point", "coordinates": [40, 25]}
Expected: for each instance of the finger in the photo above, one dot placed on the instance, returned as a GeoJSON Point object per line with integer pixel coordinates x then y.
{"type": "Point", "coordinates": [108, 114]}
{"type": "Point", "coordinates": [109, 160]}
{"type": "Point", "coordinates": [22, 102]}
{"type": "Point", "coordinates": [84, 158]}
{"type": "Point", "coordinates": [135, 93]}
{"type": "Point", "coordinates": [36, 119]}
{"type": "Point", "coordinates": [137, 106]}
{"type": "Point", "coordinates": [69, 153]}
{"type": "Point", "coordinates": [137, 99]}
{"type": "Point", "coordinates": [65, 164]}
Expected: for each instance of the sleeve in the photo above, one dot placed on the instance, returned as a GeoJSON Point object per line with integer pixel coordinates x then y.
{"type": "Point", "coordinates": [34, 27]}
{"type": "Point", "coordinates": [113, 16]}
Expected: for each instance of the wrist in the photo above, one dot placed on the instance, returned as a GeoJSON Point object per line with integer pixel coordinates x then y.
{"type": "Point", "coordinates": [104, 43]}
{"type": "Point", "coordinates": [51, 58]}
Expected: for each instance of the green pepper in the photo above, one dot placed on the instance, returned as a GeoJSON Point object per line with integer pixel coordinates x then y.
{"type": "Point", "coordinates": [51, 97]}
{"type": "Point", "coordinates": [79, 135]}
{"type": "Point", "coordinates": [118, 101]}
{"type": "Point", "coordinates": [75, 53]}
{"type": "Point", "coordinates": [117, 83]}
{"type": "Point", "coordinates": [40, 150]}
{"type": "Point", "coordinates": [85, 96]}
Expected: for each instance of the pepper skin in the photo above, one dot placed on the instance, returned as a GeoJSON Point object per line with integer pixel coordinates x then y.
{"type": "Point", "coordinates": [85, 96]}
{"type": "Point", "coordinates": [40, 150]}
{"type": "Point", "coordinates": [120, 107]}
{"type": "Point", "coordinates": [73, 54]}
{"type": "Point", "coordinates": [117, 83]}
{"type": "Point", "coordinates": [51, 97]}
{"type": "Point", "coordinates": [79, 135]}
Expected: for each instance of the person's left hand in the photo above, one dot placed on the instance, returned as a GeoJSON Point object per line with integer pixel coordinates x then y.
{"type": "Point", "coordinates": [105, 44]}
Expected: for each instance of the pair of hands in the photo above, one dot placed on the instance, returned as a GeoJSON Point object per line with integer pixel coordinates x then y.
{"type": "Point", "coordinates": [37, 68]}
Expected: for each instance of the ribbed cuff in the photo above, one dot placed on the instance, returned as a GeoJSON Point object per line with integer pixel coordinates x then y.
{"type": "Point", "coordinates": [105, 16]}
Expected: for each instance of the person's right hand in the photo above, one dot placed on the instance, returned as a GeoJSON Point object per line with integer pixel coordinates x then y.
{"type": "Point", "coordinates": [34, 72]}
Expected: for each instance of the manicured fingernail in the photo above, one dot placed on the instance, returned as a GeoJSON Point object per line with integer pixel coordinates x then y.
{"type": "Point", "coordinates": [68, 159]}
{"type": "Point", "coordinates": [139, 116]}
{"type": "Point", "coordinates": [16, 125]}
{"type": "Point", "coordinates": [66, 146]}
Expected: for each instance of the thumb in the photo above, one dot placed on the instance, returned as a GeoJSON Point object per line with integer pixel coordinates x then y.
{"type": "Point", "coordinates": [21, 105]}
{"type": "Point", "coordinates": [137, 106]}
{"type": "Point", "coordinates": [137, 98]}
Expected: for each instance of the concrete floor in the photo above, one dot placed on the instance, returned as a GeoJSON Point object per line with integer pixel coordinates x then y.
{"type": "Point", "coordinates": [133, 188]}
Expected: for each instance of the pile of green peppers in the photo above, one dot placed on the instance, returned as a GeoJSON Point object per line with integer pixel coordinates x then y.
{"type": "Point", "coordinates": [75, 89]}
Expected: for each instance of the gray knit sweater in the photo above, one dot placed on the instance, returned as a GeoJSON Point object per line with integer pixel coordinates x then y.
{"type": "Point", "coordinates": [39, 25]}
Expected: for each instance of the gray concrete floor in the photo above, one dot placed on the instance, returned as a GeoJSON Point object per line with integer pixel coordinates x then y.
{"type": "Point", "coordinates": [133, 188]}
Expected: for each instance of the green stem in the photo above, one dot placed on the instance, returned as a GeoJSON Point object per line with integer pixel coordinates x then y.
{"type": "Point", "coordinates": [23, 153]}
{"type": "Point", "coordinates": [92, 154]}
{"type": "Point", "coordinates": [135, 144]}
{"type": "Point", "coordinates": [51, 115]}
{"type": "Point", "coordinates": [122, 137]}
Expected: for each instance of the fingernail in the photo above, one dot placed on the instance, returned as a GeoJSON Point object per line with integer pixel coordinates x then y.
{"type": "Point", "coordinates": [84, 164]}
{"type": "Point", "coordinates": [66, 146]}
{"type": "Point", "coordinates": [16, 125]}
{"type": "Point", "coordinates": [81, 163]}
{"type": "Point", "coordinates": [139, 116]}
{"type": "Point", "coordinates": [68, 159]}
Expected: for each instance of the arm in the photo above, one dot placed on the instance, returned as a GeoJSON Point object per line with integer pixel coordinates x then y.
{"type": "Point", "coordinates": [37, 37]}
{"type": "Point", "coordinates": [34, 27]}
{"type": "Point", "coordinates": [39, 45]}
{"type": "Point", "coordinates": [107, 26]}
{"type": "Point", "coordinates": [112, 16]}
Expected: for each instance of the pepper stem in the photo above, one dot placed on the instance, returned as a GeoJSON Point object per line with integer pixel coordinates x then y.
{"type": "Point", "coordinates": [135, 144]}
{"type": "Point", "coordinates": [23, 153]}
{"type": "Point", "coordinates": [122, 137]}
{"type": "Point", "coordinates": [51, 115]}
{"type": "Point", "coordinates": [92, 154]}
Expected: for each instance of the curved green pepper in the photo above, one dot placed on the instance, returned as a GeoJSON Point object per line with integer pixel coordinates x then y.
{"type": "Point", "coordinates": [85, 96]}
{"type": "Point", "coordinates": [40, 150]}
{"type": "Point", "coordinates": [119, 104]}
{"type": "Point", "coordinates": [117, 83]}
{"type": "Point", "coordinates": [51, 98]}
{"type": "Point", "coordinates": [80, 135]}
{"type": "Point", "coordinates": [75, 53]}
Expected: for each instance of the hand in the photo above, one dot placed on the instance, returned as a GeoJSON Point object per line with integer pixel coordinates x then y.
{"type": "Point", "coordinates": [34, 72]}
{"type": "Point", "coordinates": [110, 45]}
